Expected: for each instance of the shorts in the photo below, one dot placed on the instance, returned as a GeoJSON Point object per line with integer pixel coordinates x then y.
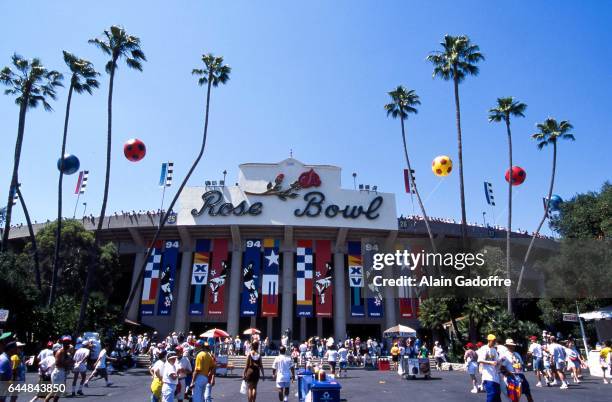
{"type": "Point", "coordinates": [343, 365]}
{"type": "Point", "coordinates": [58, 376]}
{"type": "Point", "coordinates": [560, 366]}
{"type": "Point", "coordinates": [472, 368]}
{"type": "Point", "coordinates": [332, 365]}
{"type": "Point", "coordinates": [79, 370]}
{"type": "Point", "coordinates": [538, 363]}
{"type": "Point", "coordinates": [395, 358]}
{"type": "Point", "coordinates": [283, 384]}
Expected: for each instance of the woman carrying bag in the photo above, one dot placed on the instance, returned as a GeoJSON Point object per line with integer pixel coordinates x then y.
{"type": "Point", "coordinates": [252, 371]}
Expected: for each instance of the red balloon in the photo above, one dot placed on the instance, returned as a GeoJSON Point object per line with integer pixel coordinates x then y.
{"type": "Point", "coordinates": [134, 150]}
{"type": "Point", "coordinates": [518, 175]}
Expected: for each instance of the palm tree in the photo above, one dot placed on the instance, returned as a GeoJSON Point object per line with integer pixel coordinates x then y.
{"type": "Point", "coordinates": [549, 132]}
{"type": "Point", "coordinates": [34, 85]}
{"type": "Point", "coordinates": [456, 61]}
{"type": "Point", "coordinates": [403, 103]}
{"type": "Point", "coordinates": [83, 79]}
{"type": "Point", "coordinates": [505, 108]}
{"type": "Point", "coordinates": [213, 74]}
{"type": "Point", "coordinates": [117, 44]}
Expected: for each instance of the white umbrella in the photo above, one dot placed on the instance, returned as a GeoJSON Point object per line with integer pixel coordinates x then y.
{"type": "Point", "coordinates": [601, 314]}
{"type": "Point", "coordinates": [403, 331]}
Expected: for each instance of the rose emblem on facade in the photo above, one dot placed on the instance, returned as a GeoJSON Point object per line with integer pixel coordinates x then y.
{"type": "Point", "coordinates": [309, 179]}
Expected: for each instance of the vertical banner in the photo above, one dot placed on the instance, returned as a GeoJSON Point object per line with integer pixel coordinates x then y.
{"type": "Point", "coordinates": [199, 277]}
{"type": "Point", "coordinates": [151, 281]}
{"type": "Point", "coordinates": [167, 277]}
{"type": "Point", "coordinates": [408, 301]}
{"type": "Point", "coordinates": [324, 278]}
{"type": "Point", "coordinates": [218, 275]}
{"type": "Point", "coordinates": [304, 278]}
{"type": "Point", "coordinates": [250, 278]}
{"type": "Point", "coordinates": [373, 292]}
{"type": "Point", "coordinates": [269, 281]}
{"type": "Point", "coordinates": [355, 272]}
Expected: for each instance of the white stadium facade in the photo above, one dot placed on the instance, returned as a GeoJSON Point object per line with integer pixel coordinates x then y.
{"type": "Point", "coordinates": [285, 248]}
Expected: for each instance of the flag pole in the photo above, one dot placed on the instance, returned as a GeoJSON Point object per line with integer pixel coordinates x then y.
{"type": "Point", "coordinates": [586, 346]}
{"type": "Point", "coordinates": [76, 205]}
{"type": "Point", "coordinates": [162, 204]}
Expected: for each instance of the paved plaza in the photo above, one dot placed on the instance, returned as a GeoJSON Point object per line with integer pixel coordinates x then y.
{"type": "Point", "coordinates": [360, 386]}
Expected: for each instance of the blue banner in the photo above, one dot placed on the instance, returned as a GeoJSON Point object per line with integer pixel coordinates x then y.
{"type": "Point", "coordinates": [166, 277]}
{"type": "Point", "coordinates": [373, 292]}
{"type": "Point", "coordinates": [251, 266]}
{"type": "Point", "coordinates": [199, 277]}
{"type": "Point", "coordinates": [355, 272]}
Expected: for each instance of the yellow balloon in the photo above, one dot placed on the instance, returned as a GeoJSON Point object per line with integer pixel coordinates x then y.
{"type": "Point", "coordinates": [442, 166]}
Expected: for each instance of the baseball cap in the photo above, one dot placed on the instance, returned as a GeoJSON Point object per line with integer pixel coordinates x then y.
{"type": "Point", "coordinates": [491, 337]}
{"type": "Point", "coordinates": [19, 344]}
{"type": "Point", "coordinates": [49, 344]}
{"type": "Point", "coordinates": [66, 339]}
{"type": "Point", "coordinates": [5, 335]}
{"type": "Point", "coordinates": [85, 343]}
{"type": "Point", "coordinates": [170, 354]}
{"type": "Point", "coordinates": [56, 347]}
{"type": "Point", "coordinates": [533, 338]}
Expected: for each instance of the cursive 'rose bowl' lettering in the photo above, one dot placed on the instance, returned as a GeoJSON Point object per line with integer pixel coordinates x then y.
{"type": "Point", "coordinates": [214, 205]}
{"type": "Point", "coordinates": [315, 201]}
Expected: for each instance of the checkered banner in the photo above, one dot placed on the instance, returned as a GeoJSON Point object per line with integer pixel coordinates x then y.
{"type": "Point", "coordinates": [251, 266]}
{"type": "Point", "coordinates": [269, 280]}
{"type": "Point", "coordinates": [355, 274]}
{"type": "Point", "coordinates": [373, 293]}
{"type": "Point", "coordinates": [165, 177]}
{"type": "Point", "coordinates": [81, 185]}
{"type": "Point", "coordinates": [167, 277]}
{"type": "Point", "coordinates": [199, 277]}
{"type": "Point", "coordinates": [218, 275]}
{"type": "Point", "coordinates": [324, 278]}
{"type": "Point", "coordinates": [488, 189]}
{"type": "Point", "coordinates": [151, 281]}
{"type": "Point", "coordinates": [304, 278]}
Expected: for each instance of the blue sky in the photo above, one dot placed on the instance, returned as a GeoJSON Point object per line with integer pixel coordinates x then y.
{"type": "Point", "coordinates": [313, 77]}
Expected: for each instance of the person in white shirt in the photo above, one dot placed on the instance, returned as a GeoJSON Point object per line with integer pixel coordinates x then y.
{"type": "Point", "coordinates": [342, 360]}
{"type": "Point", "coordinates": [558, 361]}
{"type": "Point", "coordinates": [183, 369]}
{"type": "Point", "coordinates": [332, 357]}
{"type": "Point", "coordinates": [488, 358]}
{"type": "Point", "coordinates": [100, 367]}
{"type": "Point", "coordinates": [438, 353]}
{"type": "Point", "coordinates": [169, 378]}
{"type": "Point", "coordinates": [284, 372]}
{"type": "Point", "coordinates": [516, 365]}
{"type": "Point", "coordinates": [535, 351]}
{"type": "Point", "coordinates": [80, 366]}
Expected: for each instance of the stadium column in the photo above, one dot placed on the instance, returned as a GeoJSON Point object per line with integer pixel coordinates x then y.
{"type": "Point", "coordinates": [389, 292]}
{"type": "Point", "coordinates": [233, 310]}
{"type": "Point", "coordinates": [288, 279]}
{"type": "Point", "coordinates": [181, 321]}
{"type": "Point", "coordinates": [133, 310]}
{"type": "Point", "coordinates": [339, 282]}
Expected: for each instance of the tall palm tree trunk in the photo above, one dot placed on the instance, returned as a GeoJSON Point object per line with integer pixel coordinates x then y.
{"type": "Point", "coordinates": [416, 191]}
{"type": "Point", "coordinates": [15, 176]}
{"type": "Point", "coordinates": [132, 294]}
{"type": "Point", "coordinates": [460, 157]}
{"type": "Point", "coordinates": [92, 268]}
{"type": "Point", "coordinates": [32, 239]}
{"type": "Point", "coordinates": [535, 234]}
{"type": "Point", "coordinates": [509, 228]}
{"type": "Point", "coordinates": [58, 233]}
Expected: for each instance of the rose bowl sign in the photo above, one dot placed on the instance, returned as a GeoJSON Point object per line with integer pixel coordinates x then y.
{"type": "Point", "coordinates": [287, 193]}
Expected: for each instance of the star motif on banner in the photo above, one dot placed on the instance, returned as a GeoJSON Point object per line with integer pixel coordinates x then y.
{"type": "Point", "coordinates": [168, 303]}
{"type": "Point", "coordinates": [252, 299]}
{"type": "Point", "coordinates": [318, 274]}
{"type": "Point", "coordinates": [377, 301]}
{"type": "Point", "coordinates": [213, 273]}
{"type": "Point", "coordinates": [272, 258]}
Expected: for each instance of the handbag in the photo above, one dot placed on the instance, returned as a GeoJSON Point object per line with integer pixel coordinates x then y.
{"type": "Point", "coordinates": [243, 387]}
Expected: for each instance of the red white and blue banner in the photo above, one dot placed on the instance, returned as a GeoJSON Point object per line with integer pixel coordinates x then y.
{"type": "Point", "coordinates": [373, 292]}
{"type": "Point", "coordinates": [150, 282]}
{"type": "Point", "coordinates": [408, 302]}
{"type": "Point", "coordinates": [199, 277]}
{"type": "Point", "coordinates": [324, 278]}
{"type": "Point", "coordinates": [304, 278]}
{"type": "Point", "coordinates": [355, 273]}
{"type": "Point", "coordinates": [269, 280]}
{"type": "Point", "coordinates": [251, 264]}
{"type": "Point", "coordinates": [81, 185]}
{"type": "Point", "coordinates": [218, 275]}
{"type": "Point", "coordinates": [167, 277]}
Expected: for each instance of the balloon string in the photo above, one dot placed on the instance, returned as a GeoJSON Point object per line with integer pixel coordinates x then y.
{"type": "Point", "coordinates": [434, 190]}
{"type": "Point", "coordinates": [515, 192]}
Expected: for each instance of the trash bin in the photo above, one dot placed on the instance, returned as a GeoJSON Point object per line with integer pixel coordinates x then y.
{"type": "Point", "coordinates": [325, 391]}
{"type": "Point", "coordinates": [305, 380]}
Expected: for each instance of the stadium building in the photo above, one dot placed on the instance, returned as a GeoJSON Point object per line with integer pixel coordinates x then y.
{"type": "Point", "coordinates": [285, 248]}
